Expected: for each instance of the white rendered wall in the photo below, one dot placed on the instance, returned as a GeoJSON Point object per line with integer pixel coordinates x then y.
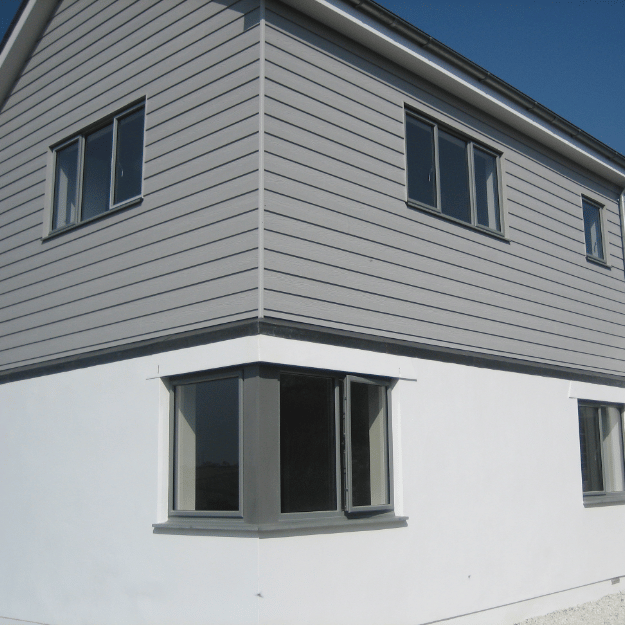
{"type": "Point", "coordinates": [486, 467]}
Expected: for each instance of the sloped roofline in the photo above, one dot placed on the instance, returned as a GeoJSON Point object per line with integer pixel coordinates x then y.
{"type": "Point", "coordinates": [20, 38]}
{"type": "Point", "coordinates": [371, 24]}
{"type": "Point", "coordinates": [382, 31]}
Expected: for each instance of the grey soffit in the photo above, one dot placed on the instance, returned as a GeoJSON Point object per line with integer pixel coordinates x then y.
{"type": "Point", "coordinates": [413, 34]}
{"type": "Point", "coordinates": [304, 332]}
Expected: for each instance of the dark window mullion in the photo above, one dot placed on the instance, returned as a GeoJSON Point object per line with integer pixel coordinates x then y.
{"type": "Point", "coordinates": [113, 162]}
{"type": "Point", "coordinates": [81, 173]}
{"type": "Point", "coordinates": [472, 190]}
{"type": "Point", "coordinates": [437, 171]}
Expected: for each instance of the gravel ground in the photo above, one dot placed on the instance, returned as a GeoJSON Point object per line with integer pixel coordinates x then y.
{"type": "Point", "coordinates": [609, 610]}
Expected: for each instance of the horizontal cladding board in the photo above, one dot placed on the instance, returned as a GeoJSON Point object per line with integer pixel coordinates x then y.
{"type": "Point", "coordinates": [19, 202]}
{"type": "Point", "coordinates": [203, 290]}
{"type": "Point", "coordinates": [162, 324]}
{"type": "Point", "coordinates": [375, 267]}
{"type": "Point", "coordinates": [294, 227]}
{"type": "Point", "coordinates": [565, 174]}
{"type": "Point", "coordinates": [461, 306]}
{"type": "Point", "coordinates": [556, 212]}
{"type": "Point", "coordinates": [13, 186]}
{"type": "Point", "coordinates": [337, 168]}
{"type": "Point", "coordinates": [434, 330]}
{"type": "Point", "coordinates": [67, 16]}
{"type": "Point", "coordinates": [436, 238]}
{"type": "Point", "coordinates": [301, 84]}
{"type": "Point", "coordinates": [332, 129]}
{"type": "Point", "coordinates": [226, 74]}
{"type": "Point", "coordinates": [131, 33]}
{"type": "Point", "coordinates": [284, 176]}
{"type": "Point", "coordinates": [52, 121]}
{"type": "Point", "coordinates": [319, 69]}
{"type": "Point", "coordinates": [68, 276]}
{"type": "Point", "coordinates": [231, 144]}
{"type": "Point", "coordinates": [354, 153]}
{"type": "Point", "coordinates": [608, 284]}
{"type": "Point", "coordinates": [143, 263]}
{"type": "Point", "coordinates": [195, 269]}
{"type": "Point", "coordinates": [315, 107]}
{"type": "Point", "coordinates": [30, 219]}
{"type": "Point", "coordinates": [174, 202]}
{"type": "Point", "coordinates": [199, 128]}
{"type": "Point", "coordinates": [327, 49]}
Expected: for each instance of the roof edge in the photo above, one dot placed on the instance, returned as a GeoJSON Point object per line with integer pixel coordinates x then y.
{"type": "Point", "coordinates": [540, 122]}
{"type": "Point", "coordinates": [18, 42]}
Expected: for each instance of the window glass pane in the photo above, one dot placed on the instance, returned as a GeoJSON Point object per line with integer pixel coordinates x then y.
{"type": "Point", "coordinates": [612, 447]}
{"type": "Point", "coordinates": [97, 172]}
{"type": "Point", "coordinates": [592, 228]}
{"type": "Point", "coordinates": [369, 449]}
{"type": "Point", "coordinates": [307, 443]}
{"type": "Point", "coordinates": [66, 186]}
{"type": "Point", "coordinates": [129, 156]}
{"type": "Point", "coordinates": [454, 174]}
{"type": "Point", "coordinates": [486, 191]}
{"type": "Point", "coordinates": [207, 446]}
{"type": "Point", "coordinates": [420, 161]}
{"type": "Point", "coordinates": [590, 449]}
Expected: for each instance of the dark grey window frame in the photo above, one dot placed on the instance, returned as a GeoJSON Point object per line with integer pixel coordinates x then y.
{"type": "Point", "coordinates": [472, 144]}
{"type": "Point", "coordinates": [602, 260]}
{"type": "Point", "coordinates": [260, 509]}
{"type": "Point", "coordinates": [194, 379]}
{"type": "Point", "coordinates": [79, 139]}
{"type": "Point", "coordinates": [605, 497]}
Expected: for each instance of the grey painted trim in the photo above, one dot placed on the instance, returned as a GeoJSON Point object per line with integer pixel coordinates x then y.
{"type": "Point", "coordinates": [305, 332]}
{"type": "Point", "coordinates": [171, 384]}
{"type": "Point", "coordinates": [259, 460]}
{"type": "Point", "coordinates": [333, 525]}
{"type": "Point", "coordinates": [261, 162]}
{"type": "Point", "coordinates": [603, 499]}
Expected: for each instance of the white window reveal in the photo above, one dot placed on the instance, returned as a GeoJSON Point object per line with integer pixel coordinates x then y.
{"type": "Point", "coordinates": [452, 175]}
{"type": "Point", "coordinates": [99, 170]}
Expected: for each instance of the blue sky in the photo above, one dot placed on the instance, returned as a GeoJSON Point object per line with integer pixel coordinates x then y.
{"type": "Point", "coordinates": [569, 55]}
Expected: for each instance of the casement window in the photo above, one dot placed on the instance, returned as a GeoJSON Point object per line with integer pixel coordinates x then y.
{"type": "Point", "coordinates": [601, 451]}
{"type": "Point", "coordinates": [207, 448]}
{"type": "Point", "coordinates": [593, 230]}
{"type": "Point", "coordinates": [99, 170]}
{"type": "Point", "coordinates": [452, 175]}
{"type": "Point", "coordinates": [317, 448]}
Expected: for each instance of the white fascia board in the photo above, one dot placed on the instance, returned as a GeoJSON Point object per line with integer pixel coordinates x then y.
{"type": "Point", "coordinates": [24, 36]}
{"type": "Point", "coordinates": [366, 30]}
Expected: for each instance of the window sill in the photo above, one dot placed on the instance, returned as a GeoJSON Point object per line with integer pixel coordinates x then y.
{"type": "Point", "coordinates": [128, 203]}
{"type": "Point", "coordinates": [605, 499]}
{"type": "Point", "coordinates": [436, 213]}
{"type": "Point", "coordinates": [290, 527]}
{"type": "Point", "coordinates": [597, 261]}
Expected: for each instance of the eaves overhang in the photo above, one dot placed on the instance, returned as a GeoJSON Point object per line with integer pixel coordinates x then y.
{"type": "Point", "coordinates": [20, 38]}
{"type": "Point", "coordinates": [382, 31]}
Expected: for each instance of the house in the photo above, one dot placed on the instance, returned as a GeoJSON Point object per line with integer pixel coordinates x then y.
{"type": "Point", "coordinates": [305, 319]}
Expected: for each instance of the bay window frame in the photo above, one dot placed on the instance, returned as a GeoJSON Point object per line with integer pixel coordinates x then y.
{"type": "Point", "coordinates": [260, 499]}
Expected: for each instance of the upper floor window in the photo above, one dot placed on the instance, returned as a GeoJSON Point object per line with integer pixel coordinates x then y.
{"type": "Point", "coordinates": [593, 230]}
{"type": "Point", "coordinates": [601, 451]}
{"type": "Point", "coordinates": [451, 174]}
{"type": "Point", "coordinates": [99, 170]}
